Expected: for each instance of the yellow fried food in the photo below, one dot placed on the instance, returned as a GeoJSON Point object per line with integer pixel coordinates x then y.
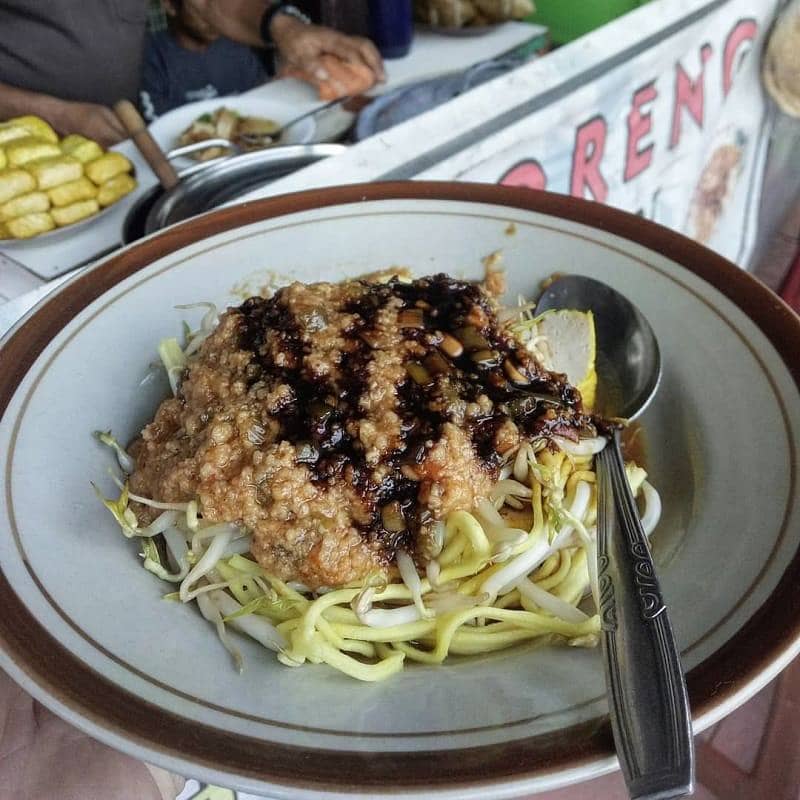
{"type": "Point", "coordinates": [106, 167]}
{"type": "Point", "coordinates": [54, 171]}
{"type": "Point", "coordinates": [29, 225]}
{"type": "Point", "coordinates": [74, 177]}
{"type": "Point", "coordinates": [68, 193]}
{"type": "Point", "coordinates": [10, 131]}
{"type": "Point", "coordinates": [75, 212]}
{"type": "Point", "coordinates": [81, 148]}
{"type": "Point", "coordinates": [14, 182]}
{"type": "Point", "coordinates": [115, 188]}
{"type": "Point", "coordinates": [35, 126]}
{"type": "Point", "coordinates": [31, 203]}
{"type": "Point", "coordinates": [29, 148]}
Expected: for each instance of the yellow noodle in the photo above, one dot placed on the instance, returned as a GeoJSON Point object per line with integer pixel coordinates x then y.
{"type": "Point", "coordinates": [574, 585]}
{"type": "Point", "coordinates": [467, 644]}
{"type": "Point", "coordinates": [447, 625]}
{"type": "Point", "coordinates": [564, 563]}
{"type": "Point", "coordinates": [549, 566]}
{"type": "Point", "coordinates": [538, 511]}
{"type": "Point", "coordinates": [362, 648]}
{"type": "Point", "coordinates": [585, 475]}
{"type": "Point", "coordinates": [467, 569]}
{"type": "Point", "coordinates": [358, 669]}
{"type": "Point", "coordinates": [508, 600]}
{"type": "Point", "coordinates": [397, 633]}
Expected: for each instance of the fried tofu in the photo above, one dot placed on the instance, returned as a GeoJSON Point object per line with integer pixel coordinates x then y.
{"type": "Point", "coordinates": [75, 212]}
{"type": "Point", "coordinates": [31, 203]}
{"type": "Point", "coordinates": [36, 126]}
{"type": "Point", "coordinates": [29, 148]}
{"type": "Point", "coordinates": [68, 193]}
{"type": "Point", "coordinates": [46, 182]}
{"type": "Point", "coordinates": [29, 225]}
{"type": "Point", "coordinates": [9, 132]}
{"type": "Point", "coordinates": [80, 147]}
{"type": "Point", "coordinates": [14, 182]}
{"type": "Point", "coordinates": [106, 167]}
{"type": "Point", "coordinates": [115, 188]}
{"type": "Point", "coordinates": [54, 171]}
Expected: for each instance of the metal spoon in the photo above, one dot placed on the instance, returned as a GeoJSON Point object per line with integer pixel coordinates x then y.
{"type": "Point", "coordinates": [649, 708]}
{"type": "Point", "coordinates": [266, 139]}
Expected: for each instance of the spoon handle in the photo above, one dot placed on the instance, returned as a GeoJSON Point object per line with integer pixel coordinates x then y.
{"type": "Point", "coordinates": [649, 708]}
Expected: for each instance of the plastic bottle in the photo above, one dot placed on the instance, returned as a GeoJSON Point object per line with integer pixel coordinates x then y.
{"type": "Point", "coordinates": [391, 26]}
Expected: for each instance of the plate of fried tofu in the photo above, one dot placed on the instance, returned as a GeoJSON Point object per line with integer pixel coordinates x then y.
{"type": "Point", "coordinates": [50, 184]}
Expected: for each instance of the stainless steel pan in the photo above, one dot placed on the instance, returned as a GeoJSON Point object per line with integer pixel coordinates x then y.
{"type": "Point", "coordinates": [208, 185]}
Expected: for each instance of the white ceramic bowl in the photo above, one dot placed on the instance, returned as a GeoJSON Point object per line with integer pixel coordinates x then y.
{"type": "Point", "coordinates": [84, 627]}
{"type": "Point", "coordinates": [167, 129]}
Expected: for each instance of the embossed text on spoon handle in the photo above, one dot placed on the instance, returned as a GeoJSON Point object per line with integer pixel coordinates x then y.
{"type": "Point", "coordinates": [646, 688]}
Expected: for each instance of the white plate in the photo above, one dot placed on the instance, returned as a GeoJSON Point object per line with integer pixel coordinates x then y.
{"type": "Point", "coordinates": [99, 231]}
{"type": "Point", "coordinates": [84, 627]}
{"type": "Point", "coordinates": [166, 130]}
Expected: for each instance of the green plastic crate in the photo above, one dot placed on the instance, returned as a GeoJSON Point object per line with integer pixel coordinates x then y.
{"type": "Point", "coordinates": [569, 19]}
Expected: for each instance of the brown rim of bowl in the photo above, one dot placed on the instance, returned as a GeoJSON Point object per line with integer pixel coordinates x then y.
{"type": "Point", "coordinates": [768, 635]}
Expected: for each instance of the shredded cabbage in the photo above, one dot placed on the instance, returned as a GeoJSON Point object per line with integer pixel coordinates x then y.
{"type": "Point", "coordinates": [174, 360]}
{"type": "Point", "coordinates": [126, 463]}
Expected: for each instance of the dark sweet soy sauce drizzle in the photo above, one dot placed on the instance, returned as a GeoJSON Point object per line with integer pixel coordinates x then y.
{"type": "Point", "coordinates": [317, 417]}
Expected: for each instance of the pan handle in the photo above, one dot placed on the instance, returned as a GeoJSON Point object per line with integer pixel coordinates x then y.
{"type": "Point", "coordinates": [146, 144]}
{"type": "Point", "coordinates": [204, 144]}
{"type": "Point", "coordinates": [194, 147]}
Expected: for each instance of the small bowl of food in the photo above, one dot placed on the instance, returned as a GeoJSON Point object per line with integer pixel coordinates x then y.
{"type": "Point", "coordinates": [241, 120]}
{"type": "Point", "coordinates": [469, 17]}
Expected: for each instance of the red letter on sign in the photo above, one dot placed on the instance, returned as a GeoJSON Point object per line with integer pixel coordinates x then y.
{"type": "Point", "coordinates": [688, 95]}
{"type": "Point", "coordinates": [528, 173]}
{"type": "Point", "coordinates": [639, 125]}
{"type": "Point", "coordinates": [590, 142]}
{"type": "Point", "coordinates": [744, 31]}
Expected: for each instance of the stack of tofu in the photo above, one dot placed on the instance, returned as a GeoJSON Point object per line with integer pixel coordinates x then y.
{"type": "Point", "coordinates": [47, 182]}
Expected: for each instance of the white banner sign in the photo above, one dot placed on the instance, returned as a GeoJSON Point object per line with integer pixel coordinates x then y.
{"type": "Point", "coordinates": [676, 132]}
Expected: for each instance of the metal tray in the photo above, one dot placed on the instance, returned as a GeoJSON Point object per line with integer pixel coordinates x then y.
{"type": "Point", "coordinates": [221, 181]}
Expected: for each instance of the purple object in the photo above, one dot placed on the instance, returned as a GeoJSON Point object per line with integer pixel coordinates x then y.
{"type": "Point", "coordinates": [391, 26]}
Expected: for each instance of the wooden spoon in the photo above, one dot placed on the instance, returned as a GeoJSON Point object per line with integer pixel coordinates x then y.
{"type": "Point", "coordinates": [146, 144]}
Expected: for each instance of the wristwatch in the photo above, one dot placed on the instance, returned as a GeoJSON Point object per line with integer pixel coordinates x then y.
{"type": "Point", "coordinates": [279, 7]}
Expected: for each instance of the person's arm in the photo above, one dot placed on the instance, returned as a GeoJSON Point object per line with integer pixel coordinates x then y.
{"type": "Point", "coordinates": [299, 45]}
{"type": "Point", "coordinates": [235, 19]}
{"type": "Point", "coordinates": [42, 757]}
{"type": "Point", "coordinates": [92, 120]}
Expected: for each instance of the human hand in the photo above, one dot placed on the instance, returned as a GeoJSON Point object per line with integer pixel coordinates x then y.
{"type": "Point", "coordinates": [42, 757]}
{"type": "Point", "coordinates": [89, 119]}
{"type": "Point", "coordinates": [302, 48]}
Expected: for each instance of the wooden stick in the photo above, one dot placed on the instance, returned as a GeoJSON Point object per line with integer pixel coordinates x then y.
{"type": "Point", "coordinates": [146, 144]}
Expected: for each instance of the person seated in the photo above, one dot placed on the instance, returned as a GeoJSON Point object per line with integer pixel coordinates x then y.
{"type": "Point", "coordinates": [191, 61]}
{"type": "Point", "coordinates": [70, 62]}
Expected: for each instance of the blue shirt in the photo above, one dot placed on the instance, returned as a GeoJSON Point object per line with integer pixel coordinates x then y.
{"type": "Point", "coordinates": [173, 75]}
